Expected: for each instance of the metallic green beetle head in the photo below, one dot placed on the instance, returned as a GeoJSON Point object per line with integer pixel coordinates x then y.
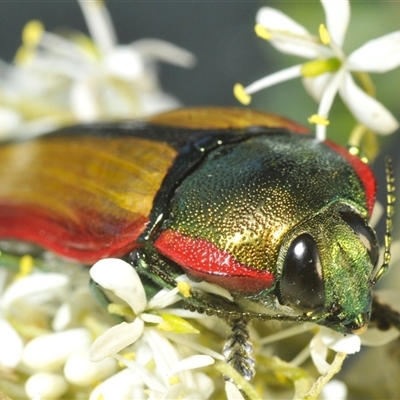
{"type": "Point", "coordinates": [280, 219]}
{"type": "Point", "coordinates": [325, 268]}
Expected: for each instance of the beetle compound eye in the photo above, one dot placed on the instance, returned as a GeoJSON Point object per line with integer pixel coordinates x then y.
{"type": "Point", "coordinates": [365, 234]}
{"type": "Point", "coordinates": [302, 284]}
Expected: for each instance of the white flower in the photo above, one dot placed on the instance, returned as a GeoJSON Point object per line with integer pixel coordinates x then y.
{"type": "Point", "coordinates": [45, 385]}
{"type": "Point", "coordinates": [323, 340]}
{"type": "Point", "coordinates": [63, 80]}
{"type": "Point", "coordinates": [327, 339]}
{"type": "Point", "coordinates": [330, 71]}
{"type": "Point", "coordinates": [120, 278]}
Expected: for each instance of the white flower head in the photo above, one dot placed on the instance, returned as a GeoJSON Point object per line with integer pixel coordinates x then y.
{"type": "Point", "coordinates": [330, 71]}
{"type": "Point", "coordinates": [120, 278]}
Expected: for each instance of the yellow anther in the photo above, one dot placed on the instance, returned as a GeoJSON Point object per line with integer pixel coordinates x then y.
{"type": "Point", "coordinates": [173, 380]}
{"type": "Point", "coordinates": [241, 95]}
{"type": "Point", "coordinates": [262, 32]}
{"type": "Point", "coordinates": [26, 264]}
{"type": "Point", "coordinates": [324, 35]}
{"type": "Point", "coordinates": [318, 120]}
{"type": "Point", "coordinates": [184, 289]}
{"type": "Point", "coordinates": [32, 33]}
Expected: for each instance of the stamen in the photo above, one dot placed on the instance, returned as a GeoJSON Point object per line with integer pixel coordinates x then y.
{"type": "Point", "coordinates": [241, 95]}
{"type": "Point", "coordinates": [173, 380]}
{"type": "Point", "coordinates": [31, 36]}
{"type": "Point", "coordinates": [262, 32]}
{"type": "Point", "coordinates": [318, 120]}
{"type": "Point", "coordinates": [25, 266]}
{"type": "Point", "coordinates": [32, 33]}
{"type": "Point", "coordinates": [324, 35]}
{"type": "Point", "coordinates": [184, 288]}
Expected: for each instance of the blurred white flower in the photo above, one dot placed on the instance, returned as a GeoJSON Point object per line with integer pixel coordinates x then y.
{"type": "Point", "coordinates": [61, 80]}
{"type": "Point", "coordinates": [330, 70]}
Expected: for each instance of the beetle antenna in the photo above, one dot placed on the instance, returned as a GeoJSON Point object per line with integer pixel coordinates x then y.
{"type": "Point", "coordinates": [390, 201]}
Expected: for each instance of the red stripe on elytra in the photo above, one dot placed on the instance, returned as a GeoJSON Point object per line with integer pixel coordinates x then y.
{"type": "Point", "coordinates": [363, 172]}
{"type": "Point", "coordinates": [202, 260]}
{"type": "Point", "coordinates": [86, 239]}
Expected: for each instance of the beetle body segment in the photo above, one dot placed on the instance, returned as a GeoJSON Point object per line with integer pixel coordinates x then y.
{"type": "Point", "coordinates": [84, 197]}
{"type": "Point", "coordinates": [240, 198]}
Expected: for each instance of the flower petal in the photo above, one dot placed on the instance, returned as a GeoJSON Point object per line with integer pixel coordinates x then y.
{"type": "Point", "coordinates": [319, 351]}
{"type": "Point", "coordinates": [330, 92]}
{"type": "Point", "coordinates": [290, 37]}
{"type": "Point", "coordinates": [84, 101]}
{"type": "Point", "coordinates": [36, 288]}
{"type": "Point", "coordinates": [366, 109]}
{"type": "Point", "coordinates": [317, 85]}
{"type": "Point", "coordinates": [163, 298]}
{"type": "Point", "coordinates": [120, 386]}
{"type": "Point", "coordinates": [99, 23]}
{"type": "Point", "coordinates": [337, 15]}
{"type": "Point", "coordinates": [115, 339]}
{"type": "Point", "coordinates": [140, 372]}
{"type": "Point", "coordinates": [80, 371]}
{"type": "Point", "coordinates": [124, 62]}
{"type": "Point", "coordinates": [49, 352]}
{"type": "Point", "coordinates": [232, 392]}
{"type": "Point", "coordinates": [377, 55]}
{"type": "Point", "coordinates": [276, 20]}
{"type": "Point", "coordinates": [338, 342]}
{"type": "Point", "coordinates": [45, 384]}
{"type": "Point", "coordinates": [161, 50]}
{"type": "Point", "coordinates": [164, 353]}
{"type": "Point", "coordinates": [334, 390]}
{"type": "Point", "coordinates": [11, 345]}
{"type": "Point", "coordinates": [192, 362]}
{"type": "Point", "coordinates": [121, 278]}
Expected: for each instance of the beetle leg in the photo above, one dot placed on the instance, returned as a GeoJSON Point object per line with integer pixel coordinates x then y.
{"type": "Point", "coordinates": [238, 349]}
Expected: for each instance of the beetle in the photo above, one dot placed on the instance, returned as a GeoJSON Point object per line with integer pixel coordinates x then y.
{"type": "Point", "coordinates": [244, 199]}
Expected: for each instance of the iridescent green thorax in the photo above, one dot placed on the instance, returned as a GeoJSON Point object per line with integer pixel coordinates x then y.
{"type": "Point", "coordinates": [247, 196]}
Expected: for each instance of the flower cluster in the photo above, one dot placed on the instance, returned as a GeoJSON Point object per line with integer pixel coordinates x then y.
{"type": "Point", "coordinates": [60, 80]}
{"type": "Point", "coordinates": [49, 320]}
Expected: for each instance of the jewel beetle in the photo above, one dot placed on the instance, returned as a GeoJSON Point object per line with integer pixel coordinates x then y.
{"type": "Point", "coordinates": [242, 199]}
